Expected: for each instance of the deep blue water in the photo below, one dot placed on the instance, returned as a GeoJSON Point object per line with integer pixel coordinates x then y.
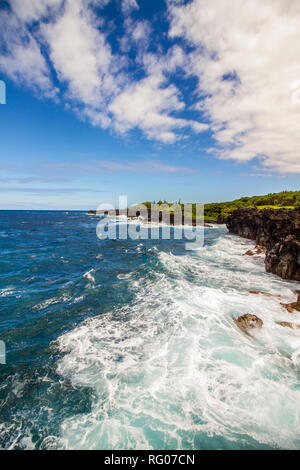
{"type": "Point", "coordinates": [120, 344]}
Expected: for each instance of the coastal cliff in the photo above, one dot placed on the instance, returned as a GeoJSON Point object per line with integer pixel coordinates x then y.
{"type": "Point", "coordinates": [278, 230]}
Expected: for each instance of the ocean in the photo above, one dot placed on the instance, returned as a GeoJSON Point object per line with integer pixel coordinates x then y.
{"type": "Point", "coordinates": [132, 344]}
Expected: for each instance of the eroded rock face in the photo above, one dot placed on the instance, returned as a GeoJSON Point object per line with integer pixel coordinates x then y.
{"type": "Point", "coordinates": [278, 231]}
{"type": "Point", "coordinates": [249, 322]}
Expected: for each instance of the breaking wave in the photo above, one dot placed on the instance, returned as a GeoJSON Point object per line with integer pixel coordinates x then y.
{"type": "Point", "coordinates": [170, 369]}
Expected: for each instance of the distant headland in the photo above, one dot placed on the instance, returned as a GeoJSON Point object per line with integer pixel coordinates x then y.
{"type": "Point", "coordinates": [216, 212]}
{"type": "Point", "coordinates": [273, 221]}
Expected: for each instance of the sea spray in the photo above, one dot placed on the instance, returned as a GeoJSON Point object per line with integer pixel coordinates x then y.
{"type": "Point", "coordinates": [172, 370]}
{"type": "Point", "coordinates": [145, 353]}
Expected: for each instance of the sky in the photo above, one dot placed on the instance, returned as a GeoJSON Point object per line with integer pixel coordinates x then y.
{"type": "Point", "coordinates": [194, 100]}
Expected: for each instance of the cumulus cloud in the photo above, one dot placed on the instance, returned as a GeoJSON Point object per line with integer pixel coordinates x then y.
{"type": "Point", "coordinates": [137, 35]}
{"type": "Point", "coordinates": [147, 105]}
{"type": "Point", "coordinates": [95, 82]}
{"type": "Point", "coordinates": [150, 103]}
{"type": "Point", "coordinates": [246, 59]}
{"type": "Point", "coordinates": [28, 10]}
{"type": "Point", "coordinates": [83, 60]}
{"type": "Point", "coordinates": [21, 57]}
{"type": "Point", "coordinates": [128, 6]}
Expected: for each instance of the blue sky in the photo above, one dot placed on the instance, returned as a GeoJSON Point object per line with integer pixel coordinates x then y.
{"type": "Point", "coordinates": [153, 100]}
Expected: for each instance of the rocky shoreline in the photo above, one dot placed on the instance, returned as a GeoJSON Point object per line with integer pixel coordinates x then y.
{"type": "Point", "coordinates": [277, 234]}
{"type": "Point", "coordinates": [277, 231]}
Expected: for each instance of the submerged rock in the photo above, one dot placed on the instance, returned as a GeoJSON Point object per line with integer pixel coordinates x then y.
{"type": "Point", "coordinates": [292, 306]}
{"type": "Point", "coordinates": [259, 292]}
{"type": "Point", "coordinates": [249, 322]}
{"type": "Point", "coordinates": [287, 324]}
{"type": "Point", "coordinates": [249, 253]}
{"type": "Point", "coordinates": [260, 250]}
{"type": "Point", "coordinates": [276, 230]}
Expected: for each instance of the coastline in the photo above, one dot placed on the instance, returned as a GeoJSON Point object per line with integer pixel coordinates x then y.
{"type": "Point", "coordinates": [149, 315]}
{"type": "Point", "coordinates": [157, 216]}
{"type": "Point", "coordinates": [275, 231]}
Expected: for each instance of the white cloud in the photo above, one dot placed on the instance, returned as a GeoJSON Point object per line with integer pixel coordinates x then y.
{"type": "Point", "coordinates": [96, 82]}
{"type": "Point", "coordinates": [128, 6]}
{"type": "Point", "coordinates": [246, 60]}
{"type": "Point", "coordinates": [81, 56]}
{"type": "Point", "coordinates": [137, 36]}
{"type": "Point", "coordinates": [28, 10]}
{"type": "Point", "coordinates": [23, 61]}
{"type": "Point", "coordinates": [152, 103]}
{"type": "Point", "coordinates": [148, 105]}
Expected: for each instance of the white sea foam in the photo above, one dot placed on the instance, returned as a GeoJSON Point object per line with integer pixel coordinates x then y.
{"type": "Point", "coordinates": [54, 300]}
{"type": "Point", "coordinates": [124, 276]}
{"type": "Point", "coordinates": [7, 291]}
{"type": "Point", "coordinates": [88, 275]}
{"type": "Point", "coordinates": [172, 370]}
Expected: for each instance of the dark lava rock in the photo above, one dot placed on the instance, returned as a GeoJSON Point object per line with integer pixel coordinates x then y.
{"type": "Point", "coordinates": [278, 231]}
{"type": "Point", "coordinates": [248, 322]}
{"type": "Point", "coordinates": [222, 219]}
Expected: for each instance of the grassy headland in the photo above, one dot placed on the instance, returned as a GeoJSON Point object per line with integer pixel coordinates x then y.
{"type": "Point", "coordinates": [221, 210]}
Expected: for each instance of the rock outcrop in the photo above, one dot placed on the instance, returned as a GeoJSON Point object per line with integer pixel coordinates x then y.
{"type": "Point", "coordinates": [248, 322]}
{"type": "Point", "coordinates": [278, 230]}
{"type": "Point", "coordinates": [287, 324]}
{"type": "Point", "coordinates": [293, 306]}
{"type": "Point", "coordinates": [266, 294]}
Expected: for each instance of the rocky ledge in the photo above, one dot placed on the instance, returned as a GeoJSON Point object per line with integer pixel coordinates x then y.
{"type": "Point", "coordinates": [278, 231]}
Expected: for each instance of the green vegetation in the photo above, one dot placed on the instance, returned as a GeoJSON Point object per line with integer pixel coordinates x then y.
{"type": "Point", "coordinates": [285, 199]}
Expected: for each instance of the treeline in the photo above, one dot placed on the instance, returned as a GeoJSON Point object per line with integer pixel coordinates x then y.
{"type": "Point", "coordinates": [213, 211]}
{"type": "Point", "coordinates": [288, 199]}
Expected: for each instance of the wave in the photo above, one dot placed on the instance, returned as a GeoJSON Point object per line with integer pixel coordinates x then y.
{"type": "Point", "coordinates": [171, 369]}
{"type": "Point", "coordinates": [7, 291]}
{"type": "Point", "coordinates": [88, 275]}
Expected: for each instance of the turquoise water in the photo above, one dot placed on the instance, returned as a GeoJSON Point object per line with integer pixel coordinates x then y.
{"type": "Point", "coordinates": [132, 344]}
